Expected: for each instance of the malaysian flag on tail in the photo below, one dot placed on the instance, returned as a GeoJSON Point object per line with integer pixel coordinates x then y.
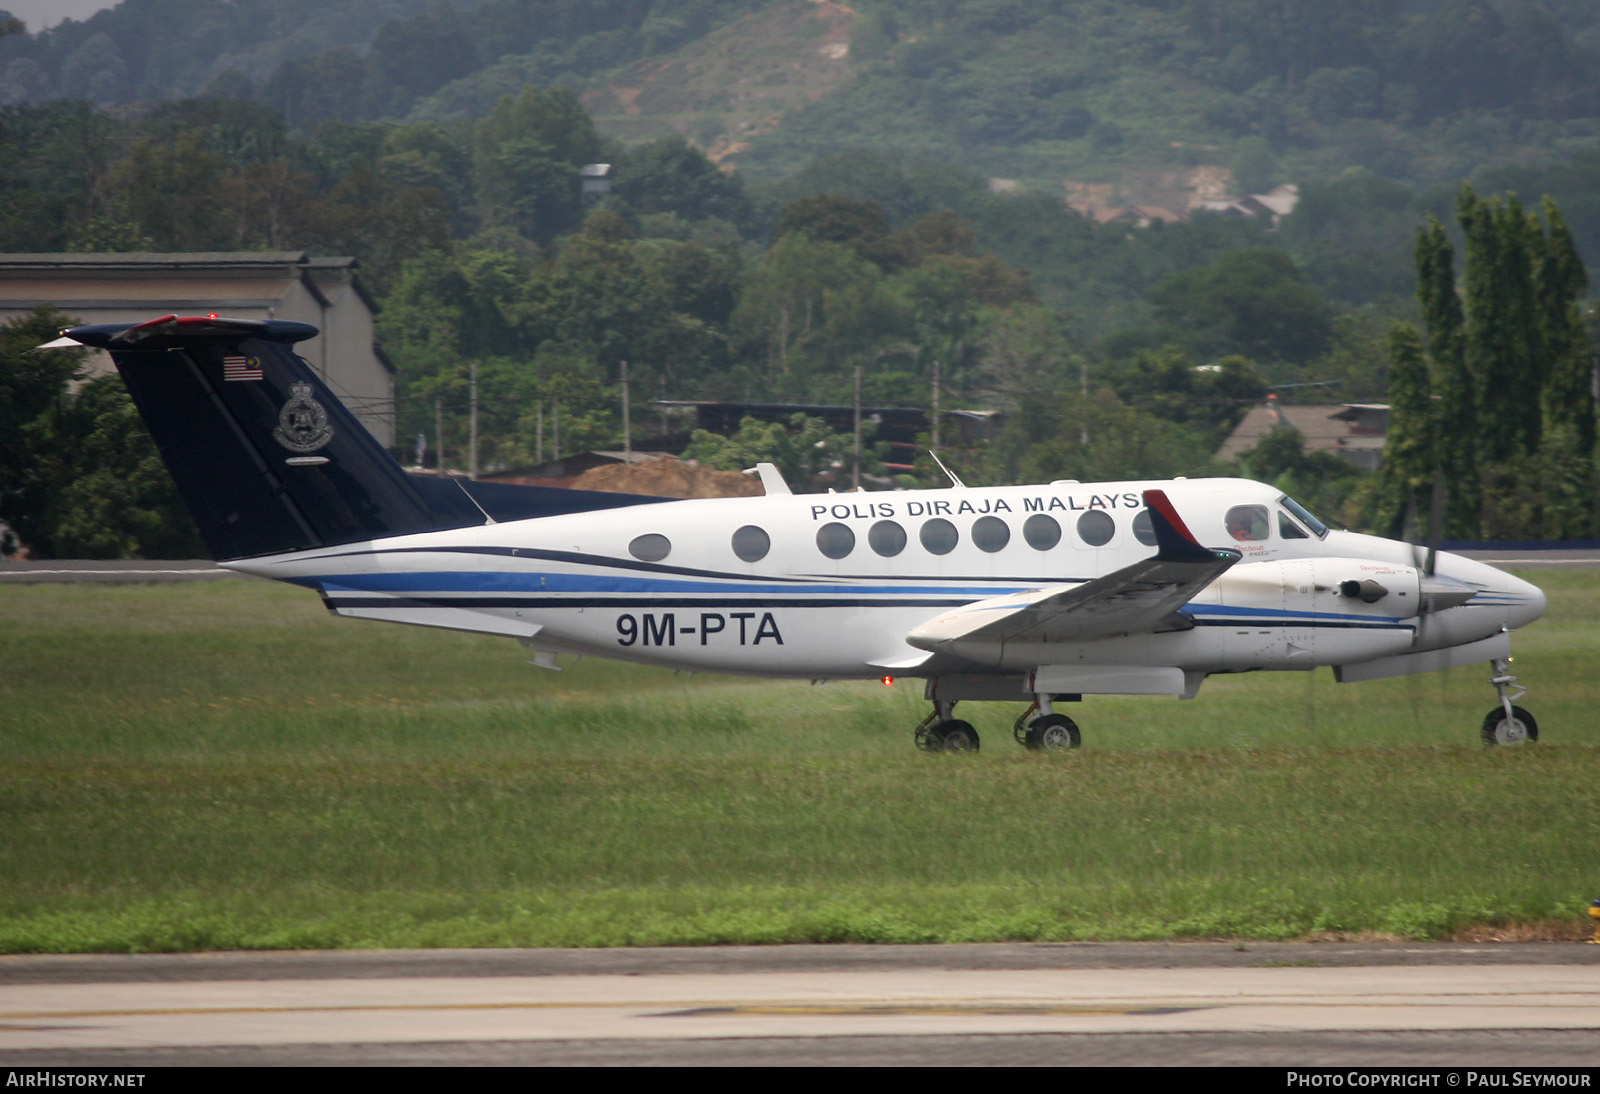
{"type": "Point", "coordinates": [239, 367]}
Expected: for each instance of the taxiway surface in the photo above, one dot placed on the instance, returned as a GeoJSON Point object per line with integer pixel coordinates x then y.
{"type": "Point", "coordinates": [1203, 1003]}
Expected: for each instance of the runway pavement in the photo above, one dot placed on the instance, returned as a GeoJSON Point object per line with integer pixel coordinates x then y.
{"type": "Point", "coordinates": [118, 571]}
{"type": "Point", "coordinates": [1161, 1003]}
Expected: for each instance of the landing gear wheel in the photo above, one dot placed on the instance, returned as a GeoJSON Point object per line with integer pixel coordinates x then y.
{"type": "Point", "coordinates": [1520, 728]}
{"type": "Point", "coordinates": [956, 736]}
{"type": "Point", "coordinates": [1053, 733]}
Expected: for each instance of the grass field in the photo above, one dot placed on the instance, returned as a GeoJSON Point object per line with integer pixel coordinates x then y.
{"type": "Point", "coordinates": [225, 766]}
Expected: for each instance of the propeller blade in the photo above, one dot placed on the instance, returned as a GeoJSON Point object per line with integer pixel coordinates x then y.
{"type": "Point", "coordinates": [1436, 517]}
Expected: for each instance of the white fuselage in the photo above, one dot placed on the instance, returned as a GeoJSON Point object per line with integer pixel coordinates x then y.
{"type": "Point", "coordinates": [844, 577]}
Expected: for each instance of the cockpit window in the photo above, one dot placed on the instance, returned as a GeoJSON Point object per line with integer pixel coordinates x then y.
{"type": "Point", "coordinates": [1288, 529]}
{"type": "Point", "coordinates": [1304, 515]}
{"type": "Point", "coordinates": [1248, 522]}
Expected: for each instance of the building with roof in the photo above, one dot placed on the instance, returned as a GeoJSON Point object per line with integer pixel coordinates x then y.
{"type": "Point", "coordinates": [131, 288]}
{"type": "Point", "coordinates": [1354, 432]}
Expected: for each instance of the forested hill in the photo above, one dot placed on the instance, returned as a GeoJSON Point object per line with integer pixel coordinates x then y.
{"type": "Point", "coordinates": [866, 237]}
{"type": "Point", "coordinates": [1129, 92]}
{"type": "Point", "coordinates": [338, 59]}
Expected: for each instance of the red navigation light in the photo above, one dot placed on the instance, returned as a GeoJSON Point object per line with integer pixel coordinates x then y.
{"type": "Point", "coordinates": [887, 680]}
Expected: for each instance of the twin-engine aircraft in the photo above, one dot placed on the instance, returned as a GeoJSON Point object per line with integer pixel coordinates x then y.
{"type": "Point", "coordinates": [1037, 595]}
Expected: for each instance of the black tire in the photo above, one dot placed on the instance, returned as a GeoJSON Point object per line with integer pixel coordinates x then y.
{"type": "Point", "coordinates": [1053, 733]}
{"type": "Point", "coordinates": [1521, 729]}
{"type": "Point", "coordinates": [957, 736]}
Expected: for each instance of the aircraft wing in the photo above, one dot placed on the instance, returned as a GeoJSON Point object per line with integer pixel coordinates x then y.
{"type": "Point", "coordinates": [1140, 598]}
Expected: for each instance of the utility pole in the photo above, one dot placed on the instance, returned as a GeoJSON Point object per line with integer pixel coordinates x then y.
{"type": "Point", "coordinates": [438, 434]}
{"type": "Point", "coordinates": [472, 467]}
{"type": "Point", "coordinates": [538, 432]}
{"type": "Point", "coordinates": [1083, 390]}
{"type": "Point", "coordinates": [856, 478]}
{"type": "Point", "coordinates": [627, 428]}
{"type": "Point", "coordinates": [555, 430]}
{"type": "Point", "coordinates": [934, 439]}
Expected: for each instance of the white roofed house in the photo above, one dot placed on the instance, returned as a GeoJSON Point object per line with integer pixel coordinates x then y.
{"type": "Point", "coordinates": [131, 288]}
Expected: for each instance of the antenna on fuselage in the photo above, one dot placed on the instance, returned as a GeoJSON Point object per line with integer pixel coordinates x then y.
{"type": "Point", "coordinates": [954, 480]}
{"type": "Point", "coordinates": [487, 519]}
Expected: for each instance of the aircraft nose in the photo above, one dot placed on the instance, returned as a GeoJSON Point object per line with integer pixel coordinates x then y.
{"type": "Point", "coordinates": [1532, 601]}
{"type": "Point", "coordinates": [1515, 601]}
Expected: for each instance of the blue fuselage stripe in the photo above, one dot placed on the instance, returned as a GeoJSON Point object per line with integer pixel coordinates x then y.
{"type": "Point", "coordinates": [502, 582]}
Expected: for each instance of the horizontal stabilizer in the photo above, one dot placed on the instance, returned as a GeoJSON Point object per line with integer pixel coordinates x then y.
{"type": "Point", "coordinates": [460, 502]}
{"type": "Point", "coordinates": [450, 619]}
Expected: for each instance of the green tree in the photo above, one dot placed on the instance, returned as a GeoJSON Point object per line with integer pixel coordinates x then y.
{"type": "Point", "coordinates": [1210, 399]}
{"type": "Point", "coordinates": [1513, 422]}
{"type": "Point", "coordinates": [811, 456]}
{"type": "Point", "coordinates": [1409, 450]}
{"type": "Point", "coordinates": [1094, 438]}
{"type": "Point", "coordinates": [1455, 414]}
{"type": "Point", "coordinates": [861, 226]}
{"type": "Point", "coordinates": [812, 309]}
{"type": "Point", "coordinates": [1320, 480]}
{"type": "Point", "coordinates": [526, 156]}
{"type": "Point", "coordinates": [1560, 277]}
{"type": "Point", "coordinates": [1503, 342]}
{"type": "Point", "coordinates": [79, 476]}
{"type": "Point", "coordinates": [672, 176]}
{"type": "Point", "coordinates": [148, 182]}
{"type": "Point", "coordinates": [1254, 302]}
{"type": "Point", "coordinates": [117, 500]}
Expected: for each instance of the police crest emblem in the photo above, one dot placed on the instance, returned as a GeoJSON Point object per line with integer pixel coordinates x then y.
{"type": "Point", "coordinates": [302, 423]}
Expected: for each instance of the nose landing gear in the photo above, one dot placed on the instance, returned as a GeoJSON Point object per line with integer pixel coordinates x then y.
{"type": "Point", "coordinates": [1507, 724]}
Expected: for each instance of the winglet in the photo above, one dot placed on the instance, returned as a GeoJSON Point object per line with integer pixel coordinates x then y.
{"type": "Point", "coordinates": [1176, 542]}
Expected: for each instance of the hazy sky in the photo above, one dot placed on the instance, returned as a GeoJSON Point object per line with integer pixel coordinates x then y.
{"type": "Point", "coordinates": [39, 14]}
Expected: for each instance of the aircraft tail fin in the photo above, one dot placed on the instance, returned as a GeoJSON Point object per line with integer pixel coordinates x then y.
{"type": "Point", "coordinates": [266, 457]}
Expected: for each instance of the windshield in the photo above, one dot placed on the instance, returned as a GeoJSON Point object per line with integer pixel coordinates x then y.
{"type": "Point", "coordinates": [1305, 515]}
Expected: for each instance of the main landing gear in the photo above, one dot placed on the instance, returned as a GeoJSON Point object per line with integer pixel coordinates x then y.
{"type": "Point", "coordinates": [1507, 724]}
{"type": "Point", "coordinates": [1049, 732]}
{"type": "Point", "coordinates": [939, 732]}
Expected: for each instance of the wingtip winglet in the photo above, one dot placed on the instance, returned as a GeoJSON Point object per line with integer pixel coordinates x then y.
{"type": "Point", "coordinates": [1176, 542]}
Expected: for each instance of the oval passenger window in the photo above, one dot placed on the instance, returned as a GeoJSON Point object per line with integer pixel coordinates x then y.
{"type": "Point", "coordinates": [939, 536]}
{"type": "Point", "coordinates": [1042, 532]}
{"type": "Point", "coordinates": [991, 534]}
{"type": "Point", "coordinates": [650, 547]}
{"type": "Point", "coordinates": [1096, 528]}
{"type": "Point", "coordinates": [751, 544]}
{"type": "Point", "coordinates": [887, 538]}
{"type": "Point", "coordinates": [1144, 530]}
{"type": "Point", "coordinates": [835, 540]}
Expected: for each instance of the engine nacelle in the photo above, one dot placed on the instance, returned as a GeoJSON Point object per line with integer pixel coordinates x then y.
{"type": "Point", "coordinates": [1305, 612]}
